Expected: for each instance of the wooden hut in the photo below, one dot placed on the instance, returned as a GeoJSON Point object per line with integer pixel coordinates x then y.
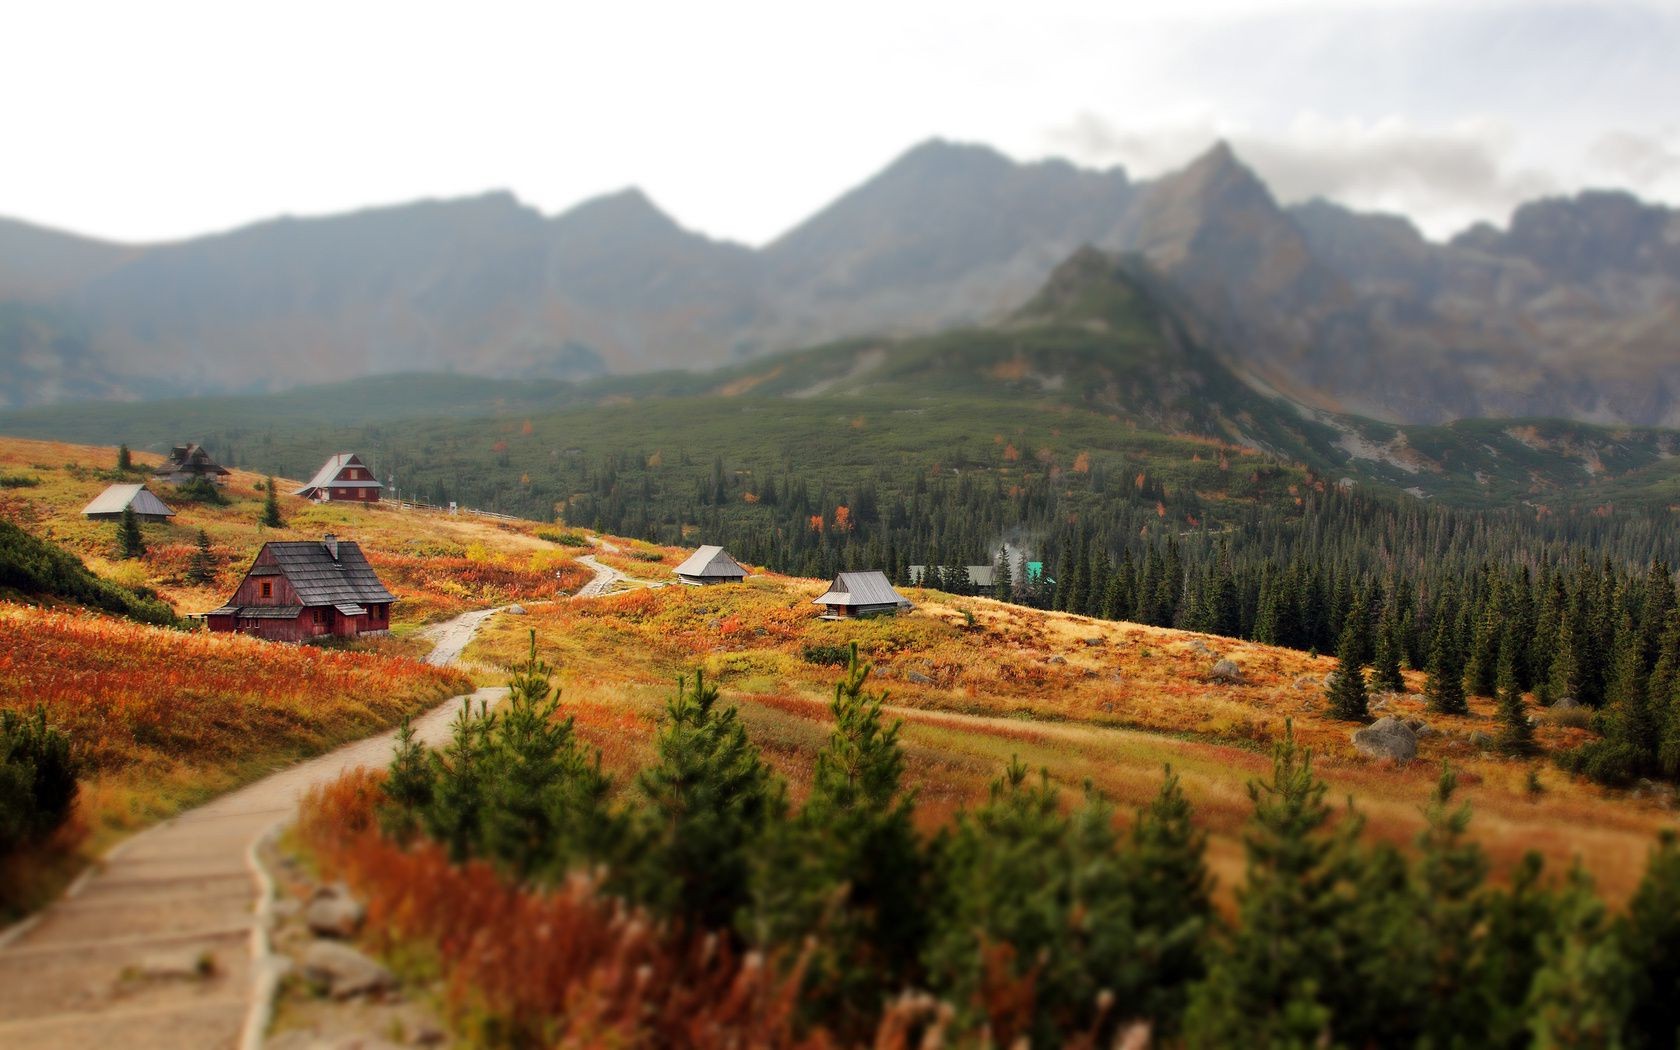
{"type": "Point", "coordinates": [344, 477]}
{"type": "Point", "coordinates": [190, 462]}
{"type": "Point", "coordinates": [710, 565]}
{"type": "Point", "coordinates": [854, 594]}
{"type": "Point", "coordinates": [110, 504]}
{"type": "Point", "coordinates": [296, 591]}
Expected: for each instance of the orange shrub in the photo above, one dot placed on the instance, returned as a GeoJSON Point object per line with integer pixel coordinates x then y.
{"type": "Point", "coordinates": [566, 966]}
{"type": "Point", "coordinates": [131, 695]}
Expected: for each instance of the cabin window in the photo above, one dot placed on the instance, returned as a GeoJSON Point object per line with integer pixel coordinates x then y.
{"type": "Point", "coordinates": [267, 588]}
{"type": "Point", "coordinates": [319, 615]}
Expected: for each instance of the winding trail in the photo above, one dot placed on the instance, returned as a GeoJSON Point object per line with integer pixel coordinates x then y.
{"type": "Point", "coordinates": [112, 963]}
{"type": "Point", "coordinates": [109, 964]}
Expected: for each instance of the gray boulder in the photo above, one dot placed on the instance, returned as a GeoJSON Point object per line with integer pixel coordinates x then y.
{"type": "Point", "coordinates": [1196, 645]}
{"type": "Point", "coordinates": [515, 610]}
{"type": "Point", "coordinates": [1387, 737]}
{"type": "Point", "coordinates": [344, 971]}
{"type": "Point", "coordinates": [332, 912]}
{"type": "Point", "coordinates": [1566, 703]}
{"type": "Point", "coordinates": [1226, 672]}
{"type": "Point", "coordinates": [1058, 660]}
{"type": "Point", "coordinates": [917, 678]}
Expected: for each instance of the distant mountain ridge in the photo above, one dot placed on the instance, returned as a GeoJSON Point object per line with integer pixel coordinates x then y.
{"type": "Point", "coordinates": [1571, 312]}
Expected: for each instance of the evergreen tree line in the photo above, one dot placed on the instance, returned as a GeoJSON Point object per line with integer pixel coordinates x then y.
{"type": "Point", "coordinates": [1038, 921]}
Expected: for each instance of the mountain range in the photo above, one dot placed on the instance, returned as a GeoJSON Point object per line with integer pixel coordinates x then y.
{"type": "Point", "coordinates": [1571, 312]}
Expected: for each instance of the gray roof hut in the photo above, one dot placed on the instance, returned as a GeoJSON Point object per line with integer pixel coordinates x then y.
{"type": "Point", "coordinates": [110, 504]}
{"type": "Point", "coordinates": [854, 594]}
{"type": "Point", "coordinates": [190, 461]}
{"type": "Point", "coordinates": [710, 565]}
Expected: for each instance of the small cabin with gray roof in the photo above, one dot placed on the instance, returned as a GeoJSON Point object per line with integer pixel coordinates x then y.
{"type": "Point", "coordinates": [110, 504]}
{"type": "Point", "coordinates": [344, 478]}
{"type": "Point", "coordinates": [188, 463]}
{"type": "Point", "coordinates": [710, 565]}
{"type": "Point", "coordinates": [296, 591]}
{"type": "Point", "coordinates": [855, 594]}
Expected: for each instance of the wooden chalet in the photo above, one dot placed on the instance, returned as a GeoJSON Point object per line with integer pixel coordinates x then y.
{"type": "Point", "coordinates": [110, 504]}
{"type": "Point", "coordinates": [296, 591]}
{"type": "Point", "coordinates": [855, 594]}
{"type": "Point", "coordinates": [344, 477]}
{"type": "Point", "coordinates": [710, 565]}
{"type": "Point", "coordinates": [190, 462]}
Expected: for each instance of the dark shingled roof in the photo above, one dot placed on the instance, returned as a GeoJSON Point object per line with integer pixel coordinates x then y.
{"type": "Point", "coordinates": [322, 580]}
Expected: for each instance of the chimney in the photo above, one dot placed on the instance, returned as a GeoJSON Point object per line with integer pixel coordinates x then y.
{"type": "Point", "coordinates": [331, 543]}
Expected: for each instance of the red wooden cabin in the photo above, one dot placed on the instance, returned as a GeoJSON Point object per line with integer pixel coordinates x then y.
{"type": "Point", "coordinates": [298, 591]}
{"type": "Point", "coordinates": [343, 477]}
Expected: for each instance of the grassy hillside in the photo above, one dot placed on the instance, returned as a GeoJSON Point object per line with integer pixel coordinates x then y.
{"type": "Point", "coordinates": [437, 565]}
{"type": "Point", "coordinates": [1089, 699]}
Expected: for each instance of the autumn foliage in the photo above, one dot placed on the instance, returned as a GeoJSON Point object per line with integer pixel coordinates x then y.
{"type": "Point", "coordinates": [567, 966]}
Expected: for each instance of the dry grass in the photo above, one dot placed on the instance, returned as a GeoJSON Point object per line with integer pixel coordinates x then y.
{"type": "Point", "coordinates": [438, 565]}
{"type": "Point", "coordinates": [1091, 700]}
{"type": "Point", "coordinates": [163, 718]}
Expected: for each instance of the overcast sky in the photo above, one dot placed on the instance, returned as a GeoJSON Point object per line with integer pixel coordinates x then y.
{"type": "Point", "coordinates": [154, 120]}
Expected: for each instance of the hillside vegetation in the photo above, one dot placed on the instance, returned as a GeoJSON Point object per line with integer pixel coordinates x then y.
{"type": "Point", "coordinates": [438, 565]}
{"type": "Point", "coordinates": [1090, 700]}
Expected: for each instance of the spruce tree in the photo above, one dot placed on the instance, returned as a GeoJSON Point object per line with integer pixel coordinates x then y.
{"type": "Point", "coordinates": [271, 506]}
{"type": "Point", "coordinates": [1003, 577]}
{"type": "Point", "coordinates": [1629, 722]}
{"type": "Point", "coordinates": [125, 459]}
{"type": "Point", "coordinates": [545, 799]}
{"type": "Point", "coordinates": [849, 869]}
{"type": "Point", "coordinates": [1174, 901]}
{"type": "Point", "coordinates": [130, 543]}
{"type": "Point", "coordinates": [1518, 917]}
{"type": "Point", "coordinates": [1036, 898]}
{"type": "Point", "coordinates": [1269, 985]}
{"type": "Point", "coordinates": [1580, 995]}
{"type": "Point", "coordinates": [1649, 937]}
{"type": "Point", "coordinates": [1347, 694]}
{"type": "Point", "coordinates": [202, 568]}
{"type": "Point", "coordinates": [1385, 662]}
{"type": "Point", "coordinates": [1444, 690]}
{"type": "Point", "coordinates": [710, 796]}
{"type": "Point", "coordinates": [1450, 919]}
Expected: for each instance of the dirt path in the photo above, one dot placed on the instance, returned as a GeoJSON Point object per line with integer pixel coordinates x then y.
{"type": "Point", "coordinates": [112, 963]}
{"type": "Point", "coordinates": [605, 578]}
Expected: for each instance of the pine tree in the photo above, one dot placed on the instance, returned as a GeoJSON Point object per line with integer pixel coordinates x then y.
{"type": "Point", "coordinates": [1517, 918]}
{"type": "Point", "coordinates": [1482, 672]}
{"type": "Point", "coordinates": [1003, 577]}
{"type": "Point", "coordinates": [1629, 721]}
{"type": "Point", "coordinates": [545, 799]}
{"type": "Point", "coordinates": [1174, 903]}
{"type": "Point", "coordinates": [1580, 996]}
{"type": "Point", "coordinates": [1270, 984]}
{"type": "Point", "coordinates": [710, 797]}
{"type": "Point", "coordinates": [1516, 731]}
{"type": "Point", "coordinates": [1450, 918]}
{"type": "Point", "coordinates": [1347, 694]}
{"type": "Point", "coordinates": [202, 568]}
{"type": "Point", "coordinates": [848, 869]}
{"type": "Point", "coordinates": [1037, 899]}
{"type": "Point", "coordinates": [130, 543]}
{"type": "Point", "coordinates": [125, 459]}
{"type": "Point", "coordinates": [1385, 662]}
{"type": "Point", "coordinates": [1444, 690]}
{"type": "Point", "coordinates": [271, 506]}
{"type": "Point", "coordinates": [1649, 937]}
